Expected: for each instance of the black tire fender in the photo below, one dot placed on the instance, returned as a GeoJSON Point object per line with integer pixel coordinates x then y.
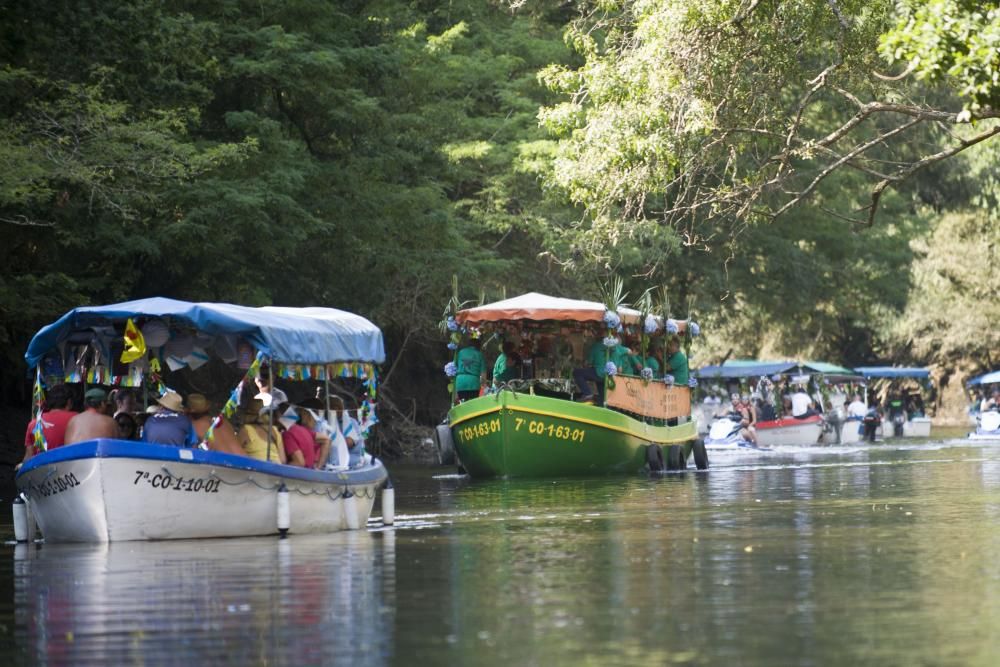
{"type": "Point", "coordinates": [654, 457]}
{"type": "Point", "coordinates": [445, 444]}
{"type": "Point", "coordinates": [700, 454]}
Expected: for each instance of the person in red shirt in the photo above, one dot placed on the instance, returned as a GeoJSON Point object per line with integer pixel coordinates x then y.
{"type": "Point", "coordinates": [299, 442]}
{"type": "Point", "coordinates": [56, 415]}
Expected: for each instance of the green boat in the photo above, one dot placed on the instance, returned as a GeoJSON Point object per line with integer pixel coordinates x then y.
{"type": "Point", "coordinates": [510, 434]}
{"type": "Point", "coordinates": [533, 427]}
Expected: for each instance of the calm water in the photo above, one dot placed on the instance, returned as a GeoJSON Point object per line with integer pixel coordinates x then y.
{"type": "Point", "coordinates": [853, 556]}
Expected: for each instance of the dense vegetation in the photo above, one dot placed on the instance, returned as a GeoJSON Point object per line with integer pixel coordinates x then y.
{"type": "Point", "coordinates": [806, 175]}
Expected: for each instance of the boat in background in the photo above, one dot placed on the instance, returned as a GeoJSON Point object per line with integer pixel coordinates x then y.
{"type": "Point", "coordinates": [723, 430]}
{"type": "Point", "coordinates": [901, 423]}
{"type": "Point", "coordinates": [112, 490]}
{"type": "Point", "coordinates": [988, 427]}
{"type": "Point", "coordinates": [987, 422]}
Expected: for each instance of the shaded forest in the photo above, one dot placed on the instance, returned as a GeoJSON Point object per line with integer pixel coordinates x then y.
{"type": "Point", "coordinates": [810, 178]}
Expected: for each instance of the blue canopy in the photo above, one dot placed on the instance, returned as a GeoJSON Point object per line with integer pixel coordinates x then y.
{"type": "Point", "coordinates": [289, 335]}
{"type": "Point", "coordinates": [744, 368]}
{"type": "Point", "coordinates": [747, 368]}
{"type": "Point", "coordinates": [893, 372]}
{"type": "Point", "coordinates": [990, 378]}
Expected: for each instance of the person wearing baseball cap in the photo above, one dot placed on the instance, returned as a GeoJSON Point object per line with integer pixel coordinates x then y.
{"type": "Point", "coordinates": [170, 425]}
{"type": "Point", "coordinates": [94, 421]}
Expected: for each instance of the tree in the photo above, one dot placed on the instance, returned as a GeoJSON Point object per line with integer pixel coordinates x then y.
{"type": "Point", "coordinates": [710, 116]}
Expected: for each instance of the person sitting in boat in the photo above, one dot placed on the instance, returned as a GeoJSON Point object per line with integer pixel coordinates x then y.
{"type": "Point", "coordinates": [128, 427]}
{"type": "Point", "coordinates": [802, 404]}
{"type": "Point", "coordinates": [507, 365]}
{"type": "Point", "coordinates": [765, 410]}
{"type": "Point", "coordinates": [676, 363]}
{"type": "Point", "coordinates": [124, 402]}
{"type": "Point", "coordinates": [94, 421]}
{"type": "Point", "coordinates": [170, 425]}
{"type": "Point", "coordinates": [253, 435]}
{"type": "Point", "coordinates": [471, 371]}
{"type": "Point", "coordinates": [596, 370]}
{"type": "Point", "coordinates": [312, 411]}
{"type": "Point", "coordinates": [55, 418]}
{"type": "Point", "coordinates": [270, 397]}
{"type": "Point", "coordinates": [856, 409]}
{"type": "Point", "coordinates": [639, 362]}
{"type": "Point", "coordinates": [343, 425]}
{"type": "Point", "coordinates": [223, 435]}
{"type": "Point", "coordinates": [299, 441]}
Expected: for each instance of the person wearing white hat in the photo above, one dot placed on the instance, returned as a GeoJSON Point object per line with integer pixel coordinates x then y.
{"type": "Point", "coordinates": [170, 426]}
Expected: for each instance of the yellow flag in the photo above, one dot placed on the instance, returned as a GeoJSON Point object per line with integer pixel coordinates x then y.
{"type": "Point", "coordinates": [135, 344]}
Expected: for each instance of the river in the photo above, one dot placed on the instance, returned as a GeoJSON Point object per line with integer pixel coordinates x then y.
{"type": "Point", "coordinates": [866, 555]}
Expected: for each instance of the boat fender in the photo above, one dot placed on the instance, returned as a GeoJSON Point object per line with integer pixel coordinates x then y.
{"type": "Point", "coordinates": [445, 444]}
{"type": "Point", "coordinates": [30, 517]}
{"type": "Point", "coordinates": [700, 454]}
{"type": "Point", "coordinates": [284, 511]}
{"type": "Point", "coordinates": [351, 510]}
{"type": "Point", "coordinates": [20, 519]}
{"type": "Point", "coordinates": [674, 456]}
{"type": "Point", "coordinates": [388, 503]}
{"type": "Point", "coordinates": [654, 457]}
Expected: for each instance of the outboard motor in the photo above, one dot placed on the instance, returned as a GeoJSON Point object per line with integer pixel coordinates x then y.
{"type": "Point", "coordinates": [897, 425]}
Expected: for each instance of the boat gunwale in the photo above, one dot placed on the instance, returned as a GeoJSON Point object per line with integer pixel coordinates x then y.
{"type": "Point", "coordinates": [103, 448]}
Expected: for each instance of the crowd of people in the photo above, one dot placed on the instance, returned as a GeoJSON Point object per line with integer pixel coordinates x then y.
{"type": "Point", "coordinates": [270, 428]}
{"type": "Point", "coordinates": [473, 372]}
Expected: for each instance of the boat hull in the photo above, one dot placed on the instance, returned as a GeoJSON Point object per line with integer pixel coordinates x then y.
{"type": "Point", "coordinates": [987, 427]}
{"type": "Point", "coordinates": [918, 427]}
{"type": "Point", "coordinates": [789, 432]}
{"type": "Point", "coordinates": [521, 435]}
{"type": "Point", "coordinates": [113, 490]}
{"type": "Point", "coordinates": [851, 431]}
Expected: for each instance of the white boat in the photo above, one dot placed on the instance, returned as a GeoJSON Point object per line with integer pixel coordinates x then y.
{"type": "Point", "coordinates": [113, 490]}
{"type": "Point", "coordinates": [901, 424]}
{"type": "Point", "coordinates": [118, 490]}
{"type": "Point", "coordinates": [988, 428]}
{"type": "Point", "coordinates": [790, 431]}
{"type": "Point", "coordinates": [725, 433]}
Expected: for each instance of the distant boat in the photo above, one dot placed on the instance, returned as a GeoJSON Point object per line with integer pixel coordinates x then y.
{"type": "Point", "coordinates": [531, 427]}
{"type": "Point", "coordinates": [988, 422]}
{"type": "Point", "coordinates": [901, 423]}
{"type": "Point", "coordinates": [723, 430]}
{"type": "Point", "coordinates": [113, 490]}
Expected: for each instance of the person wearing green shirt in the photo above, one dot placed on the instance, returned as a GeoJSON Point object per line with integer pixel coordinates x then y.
{"type": "Point", "coordinates": [471, 368]}
{"type": "Point", "coordinates": [505, 368]}
{"type": "Point", "coordinates": [677, 362]}
{"type": "Point", "coordinates": [597, 357]}
{"type": "Point", "coordinates": [651, 363]}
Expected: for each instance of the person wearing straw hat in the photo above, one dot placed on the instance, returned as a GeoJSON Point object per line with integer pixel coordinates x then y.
{"type": "Point", "coordinates": [170, 425]}
{"type": "Point", "coordinates": [253, 434]}
{"type": "Point", "coordinates": [199, 409]}
{"type": "Point", "coordinates": [94, 421]}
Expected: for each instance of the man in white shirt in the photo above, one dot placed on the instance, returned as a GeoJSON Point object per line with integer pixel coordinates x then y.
{"type": "Point", "coordinates": [856, 409]}
{"type": "Point", "coordinates": [800, 403]}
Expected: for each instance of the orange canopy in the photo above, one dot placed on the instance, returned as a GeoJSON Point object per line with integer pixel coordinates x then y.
{"type": "Point", "coordinates": [539, 307]}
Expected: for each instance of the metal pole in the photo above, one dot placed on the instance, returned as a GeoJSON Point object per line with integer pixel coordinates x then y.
{"type": "Point", "coordinates": [270, 413]}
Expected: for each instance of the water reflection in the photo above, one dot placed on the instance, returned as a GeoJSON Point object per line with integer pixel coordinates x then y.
{"type": "Point", "coordinates": [306, 600]}
{"type": "Point", "coordinates": [873, 555]}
